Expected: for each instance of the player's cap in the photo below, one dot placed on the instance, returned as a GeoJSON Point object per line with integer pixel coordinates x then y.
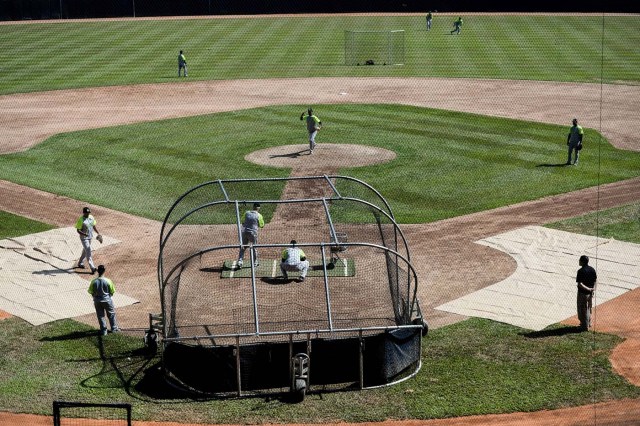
{"type": "Point", "coordinates": [310, 110]}
{"type": "Point", "coordinates": [584, 259]}
{"type": "Point", "coordinates": [294, 242]}
{"type": "Point", "coordinates": [86, 210]}
{"type": "Point", "coordinates": [101, 269]}
{"type": "Point", "coordinates": [256, 205]}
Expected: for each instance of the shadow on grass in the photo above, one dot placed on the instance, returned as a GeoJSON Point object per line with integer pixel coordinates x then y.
{"type": "Point", "coordinates": [290, 155]}
{"type": "Point", "coordinates": [560, 331]}
{"type": "Point", "coordinates": [71, 336]}
{"type": "Point", "coordinates": [553, 165]}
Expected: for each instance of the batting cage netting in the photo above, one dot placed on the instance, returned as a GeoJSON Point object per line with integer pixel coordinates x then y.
{"type": "Point", "coordinates": [235, 328]}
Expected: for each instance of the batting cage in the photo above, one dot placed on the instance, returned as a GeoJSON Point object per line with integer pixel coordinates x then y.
{"type": "Point", "coordinates": [232, 327]}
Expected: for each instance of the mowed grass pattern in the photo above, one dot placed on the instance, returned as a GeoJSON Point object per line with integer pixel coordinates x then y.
{"type": "Point", "coordinates": [447, 164]}
{"type": "Point", "coordinates": [57, 55]}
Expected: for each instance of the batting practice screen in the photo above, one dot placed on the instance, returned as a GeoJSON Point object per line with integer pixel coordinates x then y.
{"type": "Point", "coordinates": [224, 317]}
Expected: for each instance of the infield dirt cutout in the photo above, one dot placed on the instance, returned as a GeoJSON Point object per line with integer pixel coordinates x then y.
{"type": "Point", "coordinates": [447, 260]}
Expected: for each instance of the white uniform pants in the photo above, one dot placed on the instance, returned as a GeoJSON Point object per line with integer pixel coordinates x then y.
{"type": "Point", "coordinates": [312, 140]}
{"type": "Point", "coordinates": [86, 253]}
{"type": "Point", "coordinates": [302, 267]}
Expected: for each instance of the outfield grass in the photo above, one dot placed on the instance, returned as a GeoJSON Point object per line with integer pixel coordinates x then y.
{"type": "Point", "coordinates": [59, 55]}
{"type": "Point", "coordinates": [474, 367]}
{"type": "Point", "coordinates": [12, 226]}
{"type": "Point", "coordinates": [621, 223]}
{"type": "Point", "coordinates": [447, 164]}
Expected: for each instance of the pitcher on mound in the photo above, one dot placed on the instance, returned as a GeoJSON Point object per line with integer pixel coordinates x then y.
{"type": "Point", "coordinates": [313, 125]}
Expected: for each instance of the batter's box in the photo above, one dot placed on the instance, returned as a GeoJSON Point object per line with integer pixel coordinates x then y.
{"type": "Point", "coordinates": [343, 267]}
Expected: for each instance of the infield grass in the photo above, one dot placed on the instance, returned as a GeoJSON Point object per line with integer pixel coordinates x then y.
{"type": "Point", "coordinates": [59, 54]}
{"type": "Point", "coordinates": [474, 367]}
{"type": "Point", "coordinates": [12, 226]}
{"type": "Point", "coordinates": [621, 223]}
{"type": "Point", "coordinates": [447, 164]}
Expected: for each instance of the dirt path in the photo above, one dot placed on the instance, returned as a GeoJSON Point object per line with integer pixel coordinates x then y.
{"type": "Point", "coordinates": [29, 118]}
{"type": "Point", "coordinates": [438, 249]}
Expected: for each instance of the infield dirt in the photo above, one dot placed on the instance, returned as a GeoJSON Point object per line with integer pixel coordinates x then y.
{"type": "Point", "coordinates": [438, 249]}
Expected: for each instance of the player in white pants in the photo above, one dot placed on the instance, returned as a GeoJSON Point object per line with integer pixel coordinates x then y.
{"type": "Point", "coordinates": [313, 125]}
{"type": "Point", "coordinates": [85, 226]}
{"type": "Point", "coordinates": [294, 260]}
{"type": "Point", "coordinates": [252, 221]}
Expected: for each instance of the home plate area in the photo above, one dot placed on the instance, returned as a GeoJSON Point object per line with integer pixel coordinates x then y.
{"type": "Point", "coordinates": [270, 268]}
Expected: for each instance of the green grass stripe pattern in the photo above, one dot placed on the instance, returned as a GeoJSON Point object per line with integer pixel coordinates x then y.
{"type": "Point", "coordinates": [448, 163]}
{"type": "Point", "coordinates": [58, 55]}
{"type": "Point", "coordinates": [270, 268]}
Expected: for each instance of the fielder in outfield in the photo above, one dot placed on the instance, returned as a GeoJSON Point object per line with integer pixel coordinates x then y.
{"type": "Point", "coordinates": [313, 125]}
{"type": "Point", "coordinates": [182, 64]}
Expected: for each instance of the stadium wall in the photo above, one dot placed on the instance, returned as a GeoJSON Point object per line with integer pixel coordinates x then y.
{"type": "Point", "coordinates": [74, 9]}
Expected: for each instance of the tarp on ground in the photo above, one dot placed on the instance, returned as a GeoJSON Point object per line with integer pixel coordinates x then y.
{"type": "Point", "coordinates": [38, 281]}
{"type": "Point", "coordinates": [542, 290]}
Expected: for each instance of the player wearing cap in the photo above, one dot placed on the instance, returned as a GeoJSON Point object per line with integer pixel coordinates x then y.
{"type": "Point", "coordinates": [102, 290]}
{"type": "Point", "coordinates": [252, 221]}
{"type": "Point", "coordinates": [86, 225]}
{"type": "Point", "coordinates": [574, 141]}
{"type": "Point", "coordinates": [294, 259]}
{"type": "Point", "coordinates": [313, 125]}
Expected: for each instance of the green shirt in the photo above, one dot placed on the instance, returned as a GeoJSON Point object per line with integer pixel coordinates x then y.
{"type": "Point", "coordinates": [575, 134]}
{"type": "Point", "coordinates": [85, 225]}
{"type": "Point", "coordinates": [313, 123]}
{"type": "Point", "coordinates": [101, 289]}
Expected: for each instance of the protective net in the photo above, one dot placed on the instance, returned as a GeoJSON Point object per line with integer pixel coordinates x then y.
{"type": "Point", "coordinates": [66, 413]}
{"type": "Point", "coordinates": [359, 281]}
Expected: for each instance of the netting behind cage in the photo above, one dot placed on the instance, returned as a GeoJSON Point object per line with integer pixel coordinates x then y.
{"type": "Point", "coordinates": [359, 274]}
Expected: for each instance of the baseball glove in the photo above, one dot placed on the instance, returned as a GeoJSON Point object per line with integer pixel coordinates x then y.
{"type": "Point", "coordinates": [99, 238]}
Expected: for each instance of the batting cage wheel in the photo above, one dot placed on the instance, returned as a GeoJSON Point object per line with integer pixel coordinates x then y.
{"type": "Point", "coordinates": [349, 305]}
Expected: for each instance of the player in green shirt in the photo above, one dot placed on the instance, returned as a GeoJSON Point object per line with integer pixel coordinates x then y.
{"type": "Point", "coordinates": [457, 25]}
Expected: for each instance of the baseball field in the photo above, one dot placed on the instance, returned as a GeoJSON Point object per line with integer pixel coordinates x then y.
{"type": "Point", "coordinates": [93, 113]}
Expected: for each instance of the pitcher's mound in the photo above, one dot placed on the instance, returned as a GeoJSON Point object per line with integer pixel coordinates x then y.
{"type": "Point", "coordinates": [326, 155]}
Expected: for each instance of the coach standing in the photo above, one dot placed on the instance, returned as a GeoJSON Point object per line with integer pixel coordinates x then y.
{"type": "Point", "coordinates": [102, 289]}
{"type": "Point", "coordinates": [586, 280]}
